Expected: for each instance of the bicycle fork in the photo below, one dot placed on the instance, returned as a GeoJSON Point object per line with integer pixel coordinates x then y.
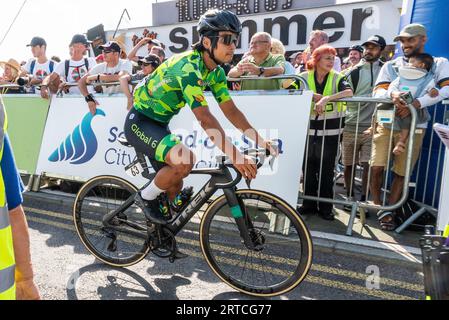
{"type": "Point", "coordinates": [242, 219]}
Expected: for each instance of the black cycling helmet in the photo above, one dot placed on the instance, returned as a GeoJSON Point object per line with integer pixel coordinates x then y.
{"type": "Point", "coordinates": [356, 48]}
{"type": "Point", "coordinates": [214, 21]}
{"type": "Point", "coordinates": [211, 23]}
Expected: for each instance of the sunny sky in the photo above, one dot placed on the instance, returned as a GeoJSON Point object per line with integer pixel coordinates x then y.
{"type": "Point", "coordinates": [57, 21]}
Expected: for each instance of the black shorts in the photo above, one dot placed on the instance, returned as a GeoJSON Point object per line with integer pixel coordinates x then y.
{"type": "Point", "coordinates": [149, 137]}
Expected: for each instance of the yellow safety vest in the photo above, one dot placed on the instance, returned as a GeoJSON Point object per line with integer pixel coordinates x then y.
{"type": "Point", "coordinates": [7, 262]}
{"type": "Point", "coordinates": [334, 110]}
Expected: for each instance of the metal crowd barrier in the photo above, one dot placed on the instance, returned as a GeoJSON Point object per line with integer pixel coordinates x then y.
{"type": "Point", "coordinates": [429, 170]}
{"type": "Point", "coordinates": [356, 205]}
{"type": "Point", "coordinates": [303, 86]}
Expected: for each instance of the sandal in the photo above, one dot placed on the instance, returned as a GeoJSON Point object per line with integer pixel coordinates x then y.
{"type": "Point", "coordinates": [399, 148]}
{"type": "Point", "coordinates": [386, 220]}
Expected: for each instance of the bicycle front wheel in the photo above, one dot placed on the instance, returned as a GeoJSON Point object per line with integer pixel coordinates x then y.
{"type": "Point", "coordinates": [277, 265]}
{"type": "Point", "coordinates": [123, 241]}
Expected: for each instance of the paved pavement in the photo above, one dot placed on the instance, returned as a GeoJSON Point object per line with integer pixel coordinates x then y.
{"type": "Point", "coordinates": [66, 270]}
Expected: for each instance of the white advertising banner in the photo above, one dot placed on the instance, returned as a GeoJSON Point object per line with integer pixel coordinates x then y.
{"type": "Point", "coordinates": [77, 144]}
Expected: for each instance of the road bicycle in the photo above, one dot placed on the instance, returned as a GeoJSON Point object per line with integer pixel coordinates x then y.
{"type": "Point", "coordinates": [252, 240]}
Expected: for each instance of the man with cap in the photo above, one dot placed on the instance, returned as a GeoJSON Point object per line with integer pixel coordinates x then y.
{"type": "Point", "coordinates": [412, 37]}
{"type": "Point", "coordinates": [148, 65]}
{"type": "Point", "coordinates": [296, 59]}
{"type": "Point", "coordinates": [38, 67]}
{"type": "Point", "coordinates": [356, 146]}
{"type": "Point", "coordinates": [355, 54]}
{"type": "Point", "coordinates": [109, 71]}
{"type": "Point", "coordinates": [70, 71]}
{"type": "Point", "coordinates": [150, 42]}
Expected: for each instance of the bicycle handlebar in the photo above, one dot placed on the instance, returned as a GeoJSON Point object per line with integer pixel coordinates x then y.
{"type": "Point", "coordinates": [259, 154]}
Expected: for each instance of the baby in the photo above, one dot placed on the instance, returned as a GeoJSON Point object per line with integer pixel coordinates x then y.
{"type": "Point", "coordinates": [415, 81]}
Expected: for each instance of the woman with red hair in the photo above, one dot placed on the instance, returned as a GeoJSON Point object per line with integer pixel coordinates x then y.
{"type": "Point", "coordinates": [325, 128]}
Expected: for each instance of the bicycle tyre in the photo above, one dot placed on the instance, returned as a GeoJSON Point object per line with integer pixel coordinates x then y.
{"type": "Point", "coordinates": [84, 224]}
{"type": "Point", "coordinates": [218, 208]}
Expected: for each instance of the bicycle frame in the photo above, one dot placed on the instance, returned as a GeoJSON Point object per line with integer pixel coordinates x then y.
{"type": "Point", "coordinates": [221, 178]}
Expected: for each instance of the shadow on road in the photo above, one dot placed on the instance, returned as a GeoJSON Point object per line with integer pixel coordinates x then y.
{"type": "Point", "coordinates": [112, 283]}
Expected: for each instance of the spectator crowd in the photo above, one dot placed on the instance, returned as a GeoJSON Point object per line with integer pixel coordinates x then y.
{"type": "Point", "coordinates": [416, 79]}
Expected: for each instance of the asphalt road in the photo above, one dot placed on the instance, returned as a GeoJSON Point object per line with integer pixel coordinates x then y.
{"type": "Point", "coordinates": [66, 270]}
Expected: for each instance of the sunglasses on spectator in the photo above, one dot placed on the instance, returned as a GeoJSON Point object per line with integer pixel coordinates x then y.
{"type": "Point", "coordinates": [228, 39]}
{"type": "Point", "coordinates": [146, 64]}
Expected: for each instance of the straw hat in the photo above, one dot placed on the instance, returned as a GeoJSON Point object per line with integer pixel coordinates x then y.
{"type": "Point", "coordinates": [12, 63]}
{"type": "Point", "coordinates": [15, 68]}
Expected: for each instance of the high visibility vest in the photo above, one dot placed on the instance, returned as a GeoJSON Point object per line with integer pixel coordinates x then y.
{"type": "Point", "coordinates": [331, 122]}
{"type": "Point", "coordinates": [7, 262]}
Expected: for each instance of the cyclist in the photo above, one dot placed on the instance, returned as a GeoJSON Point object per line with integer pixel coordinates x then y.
{"type": "Point", "coordinates": [179, 81]}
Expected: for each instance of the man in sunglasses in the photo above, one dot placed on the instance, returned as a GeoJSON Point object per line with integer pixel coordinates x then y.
{"type": "Point", "coordinates": [148, 65]}
{"type": "Point", "coordinates": [108, 71]}
{"type": "Point", "coordinates": [260, 62]}
{"type": "Point", "coordinates": [179, 81]}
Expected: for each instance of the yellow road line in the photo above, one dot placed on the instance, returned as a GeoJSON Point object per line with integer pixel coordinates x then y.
{"type": "Point", "coordinates": [280, 260]}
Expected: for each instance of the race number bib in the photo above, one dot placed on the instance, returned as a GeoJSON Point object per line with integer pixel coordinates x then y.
{"type": "Point", "coordinates": [134, 169]}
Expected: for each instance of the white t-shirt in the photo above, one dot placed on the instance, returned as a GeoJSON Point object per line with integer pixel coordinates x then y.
{"type": "Point", "coordinates": [77, 69]}
{"type": "Point", "coordinates": [441, 77]}
{"type": "Point", "coordinates": [123, 65]}
{"type": "Point", "coordinates": [40, 71]}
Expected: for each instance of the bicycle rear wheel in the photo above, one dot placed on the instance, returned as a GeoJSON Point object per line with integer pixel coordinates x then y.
{"type": "Point", "coordinates": [124, 241]}
{"type": "Point", "coordinates": [278, 265]}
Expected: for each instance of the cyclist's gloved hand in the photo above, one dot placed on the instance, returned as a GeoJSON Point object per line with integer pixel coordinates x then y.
{"type": "Point", "coordinates": [246, 166]}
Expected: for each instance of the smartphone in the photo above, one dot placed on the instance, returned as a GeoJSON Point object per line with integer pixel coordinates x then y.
{"type": "Point", "coordinates": [407, 97]}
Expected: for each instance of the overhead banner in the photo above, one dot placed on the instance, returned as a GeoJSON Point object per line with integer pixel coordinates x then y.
{"type": "Point", "coordinates": [289, 21]}
{"type": "Point", "coordinates": [26, 122]}
{"type": "Point", "coordinates": [77, 144]}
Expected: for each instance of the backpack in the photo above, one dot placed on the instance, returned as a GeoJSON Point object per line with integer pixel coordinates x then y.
{"type": "Point", "coordinates": [67, 66]}
{"type": "Point", "coordinates": [33, 64]}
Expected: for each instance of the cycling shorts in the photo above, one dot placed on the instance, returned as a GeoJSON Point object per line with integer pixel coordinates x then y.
{"type": "Point", "coordinates": [149, 137]}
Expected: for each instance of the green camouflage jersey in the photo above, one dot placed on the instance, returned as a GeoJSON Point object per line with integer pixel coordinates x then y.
{"type": "Point", "coordinates": [178, 81]}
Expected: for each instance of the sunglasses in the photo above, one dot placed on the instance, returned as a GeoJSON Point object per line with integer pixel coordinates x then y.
{"type": "Point", "coordinates": [146, 64]}
{"type": "Point", "coordinates": [228, 39]}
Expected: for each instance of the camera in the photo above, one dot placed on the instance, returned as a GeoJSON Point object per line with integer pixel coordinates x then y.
{"type": "Point", "coordinates": [407, 97]}
{"type": "Point", "coordinates": [23, 81]}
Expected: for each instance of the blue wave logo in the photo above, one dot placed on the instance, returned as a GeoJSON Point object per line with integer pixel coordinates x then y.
{"type": "Point", "coordinates": [81, 145]}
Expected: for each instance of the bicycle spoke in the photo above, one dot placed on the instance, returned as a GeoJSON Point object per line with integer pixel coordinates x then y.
{"type": "Point", "coordinates": [279, 253]}
{"type": "Point", "coordinates": [102, 198]}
